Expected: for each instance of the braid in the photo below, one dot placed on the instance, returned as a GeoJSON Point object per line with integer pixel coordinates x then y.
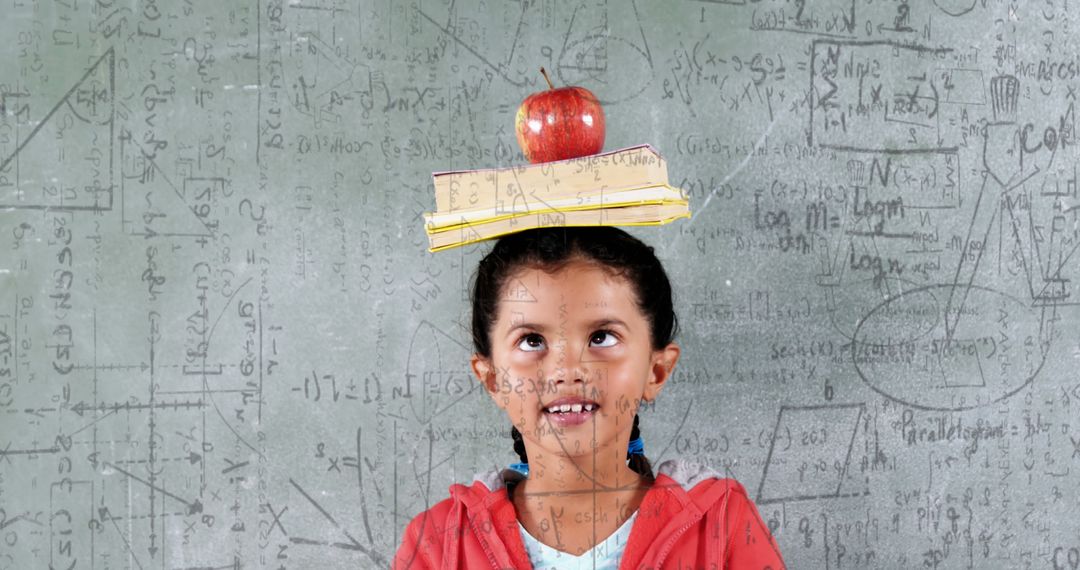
{"type": "Point", "coordinates": [519, 444]}
{"type": "Point", "coordinates": [638, 462]}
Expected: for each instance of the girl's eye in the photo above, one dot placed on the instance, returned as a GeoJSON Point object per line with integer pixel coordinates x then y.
{"type": "Point", "coordinates": [526, 345]}
{"type": "Point", "coordinates": [604, 333]}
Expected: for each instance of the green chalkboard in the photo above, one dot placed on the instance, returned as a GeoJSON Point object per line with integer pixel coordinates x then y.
{"type": "Point", "coordinates": [225, 344]}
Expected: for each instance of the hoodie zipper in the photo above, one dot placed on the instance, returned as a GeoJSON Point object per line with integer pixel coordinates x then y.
{"type": "Point", "coordinates": [484, 544]}
{"type": "Point", "coordinates": [671, 542]}
{"type": "Point", "coordinates": [674, 537]}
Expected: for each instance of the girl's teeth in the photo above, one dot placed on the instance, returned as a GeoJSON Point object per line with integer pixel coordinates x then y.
{"type": "Point", "coordinates": [572, 408]}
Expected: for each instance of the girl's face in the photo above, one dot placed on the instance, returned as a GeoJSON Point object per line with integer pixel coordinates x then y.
{"type": "Point", "coordinates": [577, 332]}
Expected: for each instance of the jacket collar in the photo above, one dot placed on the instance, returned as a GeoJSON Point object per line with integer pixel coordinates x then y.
{"type": "Point", "coordinates": [682, 471]}
{"type": "Point", "coordinates": [681, 495]}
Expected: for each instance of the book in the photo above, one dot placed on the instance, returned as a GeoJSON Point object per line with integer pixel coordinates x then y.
{"type": "Point", "coordinates": [623, 187]}
{"type": "Point", "coordinates": [646, 214]}
{"type": "Point", "coordinates": [629, 167]}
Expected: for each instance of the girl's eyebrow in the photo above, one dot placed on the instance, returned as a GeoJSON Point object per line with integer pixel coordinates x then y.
{"type": "Point", "coordinates": [602, 322]}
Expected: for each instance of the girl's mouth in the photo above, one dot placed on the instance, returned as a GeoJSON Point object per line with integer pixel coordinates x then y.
{"type": "Point", "coordinates": [574, 415]}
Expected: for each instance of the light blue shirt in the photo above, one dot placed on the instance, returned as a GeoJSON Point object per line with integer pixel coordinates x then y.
{"type": "Point", "coordinates": [604, 556]}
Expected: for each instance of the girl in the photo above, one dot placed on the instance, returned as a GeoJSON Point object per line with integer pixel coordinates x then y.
{"type": "Point", "coordinates": [572, 329]}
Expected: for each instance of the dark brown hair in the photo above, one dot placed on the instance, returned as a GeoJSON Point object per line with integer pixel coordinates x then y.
{"type": "Point", "coordinates": [550, 249]}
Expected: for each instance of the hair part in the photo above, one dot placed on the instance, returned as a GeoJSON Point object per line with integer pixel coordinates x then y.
{"type": "Point", "coordinates": [553, 248]}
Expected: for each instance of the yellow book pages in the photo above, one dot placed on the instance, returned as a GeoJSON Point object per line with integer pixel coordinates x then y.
{"type": "Point", "coordinates": [649, 215]}
{"type": "Point", "coordinates": [662, 193]}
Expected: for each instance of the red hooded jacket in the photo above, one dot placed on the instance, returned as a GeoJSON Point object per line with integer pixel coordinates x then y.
{"type": "Point", "coordinates": [691, 517]}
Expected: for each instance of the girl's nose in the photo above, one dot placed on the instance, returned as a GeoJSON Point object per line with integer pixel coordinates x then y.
{"type": "Point", "coordinates": [568, 363]}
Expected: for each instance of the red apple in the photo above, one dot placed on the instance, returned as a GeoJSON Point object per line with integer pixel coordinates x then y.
{"type": "Point", "coordinates": [557, 124]}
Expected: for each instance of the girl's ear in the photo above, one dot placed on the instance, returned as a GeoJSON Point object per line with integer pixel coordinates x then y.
{"type": "Point", "coordinates": [663, 363]}
{"type": "Point", "coordinates": [484, 372]}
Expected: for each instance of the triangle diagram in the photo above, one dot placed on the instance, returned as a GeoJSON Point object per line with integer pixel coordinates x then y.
{"type": "Point", "coordinates": [63, 160]}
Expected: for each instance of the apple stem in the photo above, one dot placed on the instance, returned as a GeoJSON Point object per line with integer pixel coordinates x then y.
{"type": "Point", "coordinates": [546, 78]}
